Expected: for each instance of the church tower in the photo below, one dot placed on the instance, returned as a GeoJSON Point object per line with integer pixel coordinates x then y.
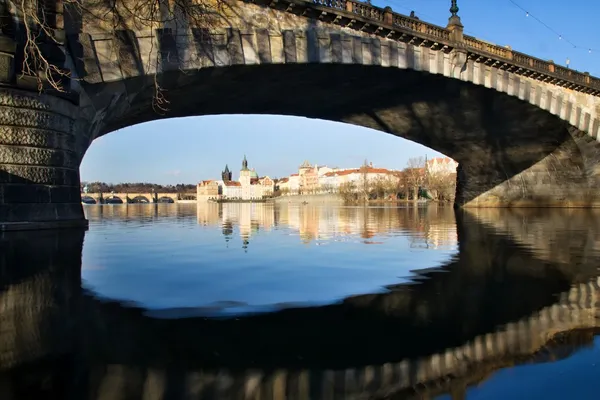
{"type": "Point", "coordinates": [245, 173]}
{"type": "Point", "coordinates": [226, 174]}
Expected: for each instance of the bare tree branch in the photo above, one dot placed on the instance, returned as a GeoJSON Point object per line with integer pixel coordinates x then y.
{"type": "Point", "coordinates": [36, 21]}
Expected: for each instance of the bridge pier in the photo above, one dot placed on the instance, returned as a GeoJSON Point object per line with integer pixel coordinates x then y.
{"type": "Point", "coordinates": [563, 175]}
{"type": "Point", "coordinates": [41, 146]}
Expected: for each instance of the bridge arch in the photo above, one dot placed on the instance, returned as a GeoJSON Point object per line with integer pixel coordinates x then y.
{"type": "Point", "coordinates": [141, 199]}
{"type": "Point", "coordinates": [520, 139]}
{"type": "Point", "coordinates": [505, 146]}
{"type": "Point", "coordinates": [165, 199]}
{"type": "Point", "coordinates": [113, 199]}
{"type": "Point", "coordinates": [88, 200]}
{"type": "Point", "coordinates": [523, 130]}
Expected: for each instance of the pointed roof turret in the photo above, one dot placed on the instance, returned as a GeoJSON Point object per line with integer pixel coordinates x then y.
{"type": "Point", "coordinates": [244, 164]}
{"type": "Point", "coordinates": [305, 164]}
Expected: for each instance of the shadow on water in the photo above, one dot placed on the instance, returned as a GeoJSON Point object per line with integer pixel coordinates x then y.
{"type": "Point", "coordinates": [494, 305]}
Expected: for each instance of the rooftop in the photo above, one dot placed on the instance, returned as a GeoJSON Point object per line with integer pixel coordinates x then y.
{"type": "Point", "coordinates": [368, 170]}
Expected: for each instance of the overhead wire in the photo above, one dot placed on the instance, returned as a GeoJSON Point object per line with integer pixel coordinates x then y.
{"type": "Point", "coordinates": [560, 36]}
{"type": "Point", "coordinates": [551, 29]}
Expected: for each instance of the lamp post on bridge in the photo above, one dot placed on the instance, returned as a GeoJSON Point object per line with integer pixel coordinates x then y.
{"type": "Point", "coordinates": [454, 9]}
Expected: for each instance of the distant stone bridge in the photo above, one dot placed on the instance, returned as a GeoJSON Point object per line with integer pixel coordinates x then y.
{"type": "Point", "coordinates": [523, 130]}
{"type": "Point", "coordinates": [130, 197]}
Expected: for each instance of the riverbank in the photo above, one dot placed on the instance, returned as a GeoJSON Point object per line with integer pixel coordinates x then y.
{"type": "Point", "coordinates": [240, 201]}
{"type": "Point", "coordinates": [310, 199]}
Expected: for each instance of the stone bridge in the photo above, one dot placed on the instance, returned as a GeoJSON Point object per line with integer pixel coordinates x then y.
{"type": "Point", "coordinates": [494, 305]}
{"type": "Point", "coordinates": [524, 130]}
{"type": "Point", "coordinates": [101, 198]}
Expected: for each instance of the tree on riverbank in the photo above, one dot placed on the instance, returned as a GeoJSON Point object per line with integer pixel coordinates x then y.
{"type": "Point", "coordinates": [414, 176]}
{"type": "Point", "coordinates": [348, 191]}
{"type": "Point", "coordinates": [441, 186]}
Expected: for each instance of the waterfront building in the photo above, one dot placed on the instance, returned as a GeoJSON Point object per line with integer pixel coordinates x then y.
{"type": "Point", "coordinates": [208, 190]}
{"type": "Point", "coordinates": [331, 181]}
{"type": "Point", "coordinates": [441, 165]}
{"type": "Point", "coordinates": [309, 178]}
{"type": "Point", "coordinates": [248, 187]}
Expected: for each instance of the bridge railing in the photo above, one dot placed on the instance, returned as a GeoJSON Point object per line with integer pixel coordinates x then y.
{"type": "Point", "coordinates": [443, 35]}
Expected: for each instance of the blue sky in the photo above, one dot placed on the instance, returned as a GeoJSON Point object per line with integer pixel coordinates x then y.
{"type": "Point", "coordinates": [174, 150]}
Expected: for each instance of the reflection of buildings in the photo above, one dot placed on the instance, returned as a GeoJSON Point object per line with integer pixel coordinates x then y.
{"type": "Point", "coordinates": [442, 235]}
{"type": "Point", "coordinates": [208, 213]}
{"type": "Point", "coordinates": [427, 228]}
{"type": "Point", "coordinates": [249, 218]}
{"type": "Point", "coordinates": [249, 186]}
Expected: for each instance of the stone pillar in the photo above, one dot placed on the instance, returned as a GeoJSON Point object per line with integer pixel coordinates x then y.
{"type": "Point", "coordinates": [40, 153]}
{"type": "Point", "coordinates": [456, 29]}
{"type": "Point", "coordinates": [541, 175]}
{"type": "Point", "coordinates": [388, 16]}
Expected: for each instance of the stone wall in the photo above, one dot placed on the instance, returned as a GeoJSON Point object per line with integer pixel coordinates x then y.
{"type": "Point", "coordinates": [41, 146]}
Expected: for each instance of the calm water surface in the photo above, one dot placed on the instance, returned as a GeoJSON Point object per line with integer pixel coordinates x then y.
{"type": "Point", "coordinates": [288, 301]}
{"type": "Point", "coordinates": [245, 257]}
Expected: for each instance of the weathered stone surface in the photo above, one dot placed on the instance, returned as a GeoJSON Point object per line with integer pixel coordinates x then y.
{"type": "Point", "coordinates": [25, 174]}
{"type": "Point", "coordinates": [17, 116]}
{"type": "Point", "coordinates": [20, 136]}
{"type": "Point", "coordinates": [39, 159]}
{"type": "Point", "coordinates": [42, 157]}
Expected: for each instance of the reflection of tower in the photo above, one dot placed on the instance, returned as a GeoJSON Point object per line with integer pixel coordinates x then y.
{"type": "Point", "coordinates": [227, 229]}
{"type": "Point", "coordinates": [245, 221]}
{"type": "Point", "coordinates": [226, 174]}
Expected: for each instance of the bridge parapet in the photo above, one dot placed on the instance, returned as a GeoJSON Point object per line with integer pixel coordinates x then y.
{"type": "Point", "coordinates": [129, 197]}
{"type": "Point", "coordinates": [393, 25]}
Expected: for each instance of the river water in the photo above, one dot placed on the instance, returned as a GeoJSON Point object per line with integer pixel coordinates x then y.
{"type": "Point", "coordinates": [292, 301]}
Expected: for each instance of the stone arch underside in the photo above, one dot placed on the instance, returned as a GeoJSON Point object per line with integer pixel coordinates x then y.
{"type": "Point", "coordinates": [139, 198]}
{"type": "Point", "coordinates": [109, 199]}
{"type": "Point", "coordinates": [519, 141]}
{"type": "Point", "coordinates": [511, 153]}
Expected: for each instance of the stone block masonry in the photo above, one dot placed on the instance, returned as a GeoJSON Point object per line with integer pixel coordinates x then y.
{"type": "Point", "coordinates": [39, 172]}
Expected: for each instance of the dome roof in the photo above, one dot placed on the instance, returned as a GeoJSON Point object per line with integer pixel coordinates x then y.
{"type": "Point", "coordinates": [253, 174]}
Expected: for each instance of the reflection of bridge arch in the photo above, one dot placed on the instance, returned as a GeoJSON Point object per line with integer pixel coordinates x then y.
{"type": "Point", "coordinates": [448, 328]}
